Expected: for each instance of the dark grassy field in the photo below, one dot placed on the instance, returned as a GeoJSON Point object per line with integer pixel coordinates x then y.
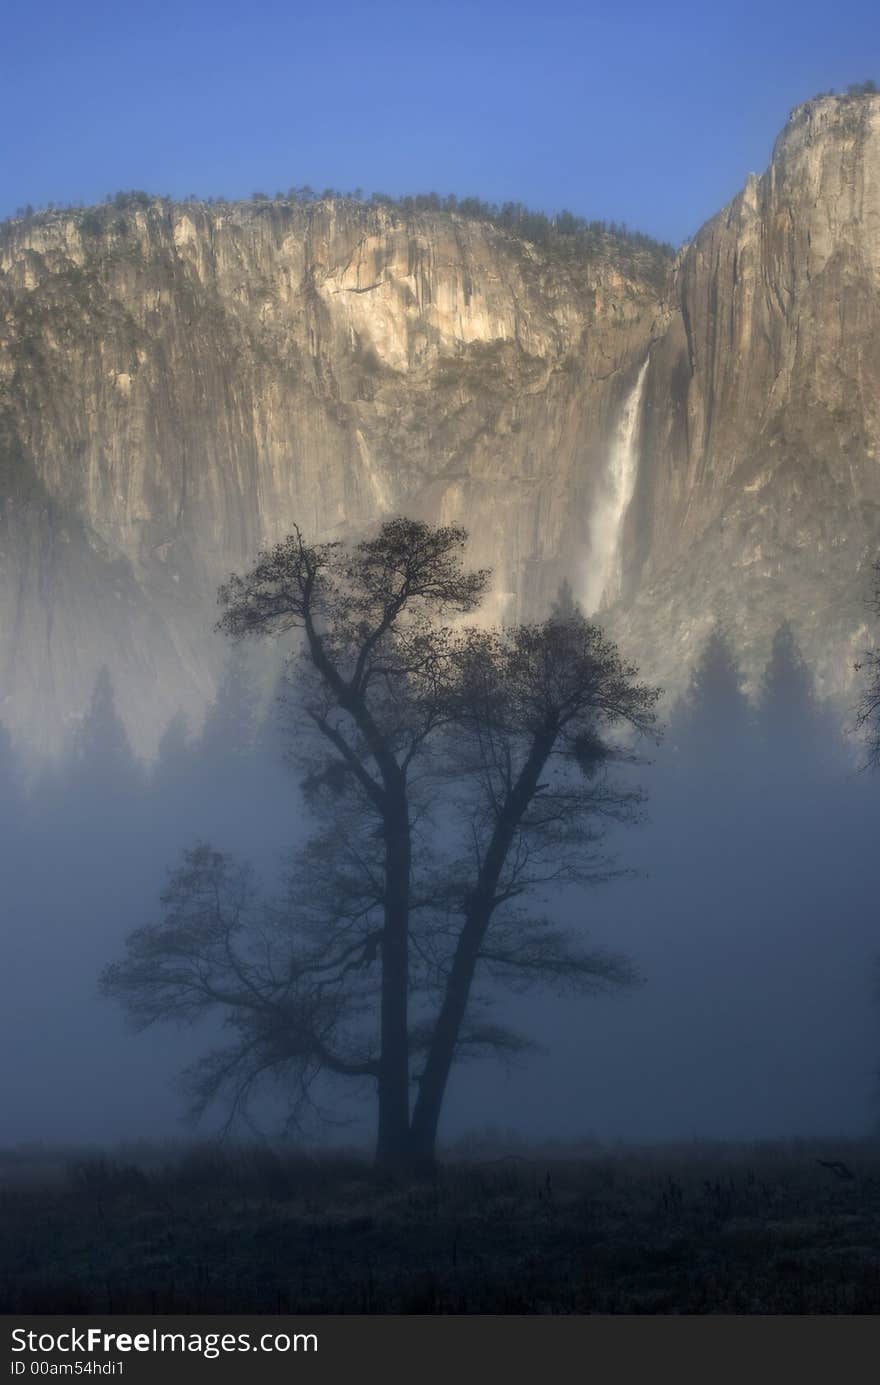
{"type": "Point", "coordinates": [699, 1228]}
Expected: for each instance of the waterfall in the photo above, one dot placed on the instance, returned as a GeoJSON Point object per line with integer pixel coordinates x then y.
{"type": "Point", "coordinates": [616, 490]}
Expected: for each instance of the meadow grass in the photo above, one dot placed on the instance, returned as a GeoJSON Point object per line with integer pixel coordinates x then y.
{"type": "Point", "coordinates": [688, 1228]}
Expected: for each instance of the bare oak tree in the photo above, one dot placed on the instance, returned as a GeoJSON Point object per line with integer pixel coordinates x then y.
{"type": "Point", "coordinates": [373, 657]}
{"type": "Point", "coordinates": [451, 775]}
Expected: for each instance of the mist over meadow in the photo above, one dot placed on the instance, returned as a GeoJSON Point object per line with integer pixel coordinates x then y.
{"type": "Point", "coordinates": [745, 902]}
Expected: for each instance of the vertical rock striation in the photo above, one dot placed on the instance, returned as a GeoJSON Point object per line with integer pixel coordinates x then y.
{"type": "Point", "coordinates": [759, 486]}
{"type": "Point", "coordinates": [179, 384]}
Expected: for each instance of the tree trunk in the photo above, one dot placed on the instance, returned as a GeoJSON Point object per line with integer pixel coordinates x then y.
{"type": "Point", "coordinates": [432, 1085]}
{"type": "Point", "coordinates": [392, 1144]}
{"type": "Point", "coordinates": [478, 916]}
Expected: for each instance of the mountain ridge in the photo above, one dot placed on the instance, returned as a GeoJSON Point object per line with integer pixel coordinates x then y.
{"type": "Point", "coordinates": [177, 390]}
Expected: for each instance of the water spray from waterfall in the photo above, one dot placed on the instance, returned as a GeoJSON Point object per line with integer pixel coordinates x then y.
{"type": "Point", "coordinates": [604, 571]}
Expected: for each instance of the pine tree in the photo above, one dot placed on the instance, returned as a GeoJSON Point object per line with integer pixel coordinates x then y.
{"type": "Point", "coordinates": [174, 758]}
{"type": "Point", "coordinates": [11, 788]}
{"type": "Point", "coordinates": [102, 761]}
{"type": "Point", "coordinates": [231, 722]}
{"type": "Point", "coordinates": [792, 721]}
{"type": "Point", "coordinates": [787, 699]}
{"type": "Point", "coordinates": [226, 778]}
{"type": "Point", "coordinates": [566, 606]}
{"type": "Point", "coordinates": [714, 714]}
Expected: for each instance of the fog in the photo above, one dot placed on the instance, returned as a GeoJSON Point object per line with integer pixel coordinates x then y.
{"type": "Point", "coordinates": [749, 911]}
{"type": "Point", "coordinates": [753, 927]}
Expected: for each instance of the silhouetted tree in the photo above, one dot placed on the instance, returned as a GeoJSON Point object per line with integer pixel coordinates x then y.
{"type": "Point", "coordinates": [230, 726]}
{"type": "Point", "coordinates": [11, 790]}
{"type": "Point", "coordinates": [404, 728]}
{"type": "Point", "coordinates": [372, 659]}
{"type": "Point", "coordinates": [102, 763]}
{"type": "Point", "coordinates": [714, 714]}
{"type": "Point", "coordinates": [528, 744]}
{"type": "Point", "coordinates": [565, 605]}
{"type": "Point", "coordinates": [787, 688]}
{"type": "Point", "coordinates": [793, 723]}
{"type": "Point", "coordinates": [173, 767]}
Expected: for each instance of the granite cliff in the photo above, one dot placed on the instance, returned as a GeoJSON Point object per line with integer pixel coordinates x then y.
{"type": "Point", "coordinates": [180, 383]}
{"type": "Point", "coordinates": [758, 490]}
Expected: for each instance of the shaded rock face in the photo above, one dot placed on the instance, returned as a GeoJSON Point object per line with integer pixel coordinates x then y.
{"type": "Point", "coordinates": [179, 385]}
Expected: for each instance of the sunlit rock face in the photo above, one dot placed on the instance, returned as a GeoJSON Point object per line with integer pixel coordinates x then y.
{"type": "Point", "coordinates": [179, 385]}
{"type": "Point", "coordinates": [759, 482]}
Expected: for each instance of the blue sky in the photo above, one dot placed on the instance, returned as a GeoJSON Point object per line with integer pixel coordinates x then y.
{"type": "Point", "coordinates": [643, 112]}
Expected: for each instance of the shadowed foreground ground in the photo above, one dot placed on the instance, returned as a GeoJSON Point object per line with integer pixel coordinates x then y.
{"type": "Point", "coordinates": [697, 1228]}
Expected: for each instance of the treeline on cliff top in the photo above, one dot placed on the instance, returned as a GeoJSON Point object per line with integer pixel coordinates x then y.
{"type": "Point", "coordinates": [853, 92]}
{"type": "Point", "coordinates": [562, 233]}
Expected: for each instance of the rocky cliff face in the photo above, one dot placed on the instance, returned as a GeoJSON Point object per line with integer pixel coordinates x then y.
{"type": "Point", "coordinates": [180, 384]}
{"type": "Point", "coordinates": [758, 488]}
